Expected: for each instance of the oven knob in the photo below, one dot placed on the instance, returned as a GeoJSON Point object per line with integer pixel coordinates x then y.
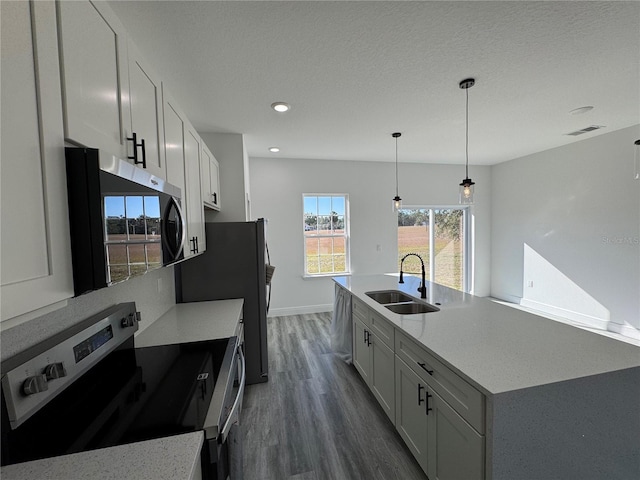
{"type": "Point", "coordinates": [55, 370]}
{"type": "Point", "coordinates": [128, 321]}
{"type": "Point", "coordinates": [35, 384]}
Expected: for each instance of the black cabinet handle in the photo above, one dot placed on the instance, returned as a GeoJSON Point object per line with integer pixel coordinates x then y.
{"type": "Point", "coordinates": [424, 367]}
{"type": "Point", "coordinates": [365, 336]}
{"type": "Point", "coordinates": [428, 407]}
{"type": "Point", "coordinates": [134, 138]}
{"type": "Point", "coordinates": [194, 245]}
{"type": "Point", "coordinates": [368, 338]}
{"type": "Point", "coordinates": [197, 246]}
{"type": "Point", "coordinates": [144, 154]}
{"type": "Point", "coordinates": [215, 198]}
{"type": "Point", "coordinates": [420, 399]}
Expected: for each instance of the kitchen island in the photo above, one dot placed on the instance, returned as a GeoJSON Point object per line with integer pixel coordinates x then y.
{"type": "Point", "coordinates": [542, 399]}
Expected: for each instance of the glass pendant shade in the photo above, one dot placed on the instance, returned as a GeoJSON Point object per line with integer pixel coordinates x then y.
{"type": "Point", "coordinates": [397, 203]}
{"type": "Point", "coordinates": [466, 191]}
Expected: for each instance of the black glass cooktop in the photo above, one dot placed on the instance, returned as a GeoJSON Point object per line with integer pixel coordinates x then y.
{"type": "Point", "coordinates": [131, 395]}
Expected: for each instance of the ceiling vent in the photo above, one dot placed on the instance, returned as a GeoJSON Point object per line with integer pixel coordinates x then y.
{"type": "Point", "coordinates": [585, 130]}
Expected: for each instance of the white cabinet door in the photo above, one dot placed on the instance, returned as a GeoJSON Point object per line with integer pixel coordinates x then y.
{"type": "Point", "coordinates": [146, 116]}
{"type": "Point", "coordinates": [411, 418]}
{"type": "Point", "coordinates": [93, 56]}
{"type": "Point", "coordinates": [196, 242]}
{"type": "Point", "coordinates": [455, 449]}
{"type": "Point", "coordinates": [210, 179]}
{"type": "Point", "coordinates": [35, 246]}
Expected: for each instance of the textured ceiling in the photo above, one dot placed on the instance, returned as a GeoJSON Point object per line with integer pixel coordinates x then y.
{"type": "Point", "coordinates": [354, 72]}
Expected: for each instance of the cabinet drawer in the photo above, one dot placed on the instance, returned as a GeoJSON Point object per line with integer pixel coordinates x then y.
{"type": "Point", "coordinates": [462, 397]}
{"type": "Point", "coordinates": [359, 310]}
{"type": "Point", "coordinates": [381, 328]}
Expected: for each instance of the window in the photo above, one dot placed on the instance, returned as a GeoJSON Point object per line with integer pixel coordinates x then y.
{"type": "Point", "coordinates": [326, 234]}
{"type": "Point", "coordinates": [440, 237]}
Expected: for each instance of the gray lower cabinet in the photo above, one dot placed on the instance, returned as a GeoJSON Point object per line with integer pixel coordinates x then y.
{"type": "Point", "coordinates": [439, 415]}
{"type": "Point", "coordinates": [411, 417]}
{"type": "Point", "coordinates": [455, 451]}
{"type": "Point", "coordinates": [375, 362]}
{"type": "Point", "coordinates": [443, 443]}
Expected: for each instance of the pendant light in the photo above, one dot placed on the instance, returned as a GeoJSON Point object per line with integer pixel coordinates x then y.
{"type": "Point", "coordinates": [397, 201]}
{"type": "Point", "coordinates": [466, 187]}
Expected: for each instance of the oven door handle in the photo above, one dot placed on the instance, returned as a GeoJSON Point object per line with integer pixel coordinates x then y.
{"type": "Point", "coordinates": [231, 419]}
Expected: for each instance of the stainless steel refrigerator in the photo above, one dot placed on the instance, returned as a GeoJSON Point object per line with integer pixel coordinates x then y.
{"type": "Point", "coordinates": [233, 266]}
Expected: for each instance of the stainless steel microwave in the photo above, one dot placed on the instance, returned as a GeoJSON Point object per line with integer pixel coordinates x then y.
{"type": "Point", "coordinates": [124, 221]}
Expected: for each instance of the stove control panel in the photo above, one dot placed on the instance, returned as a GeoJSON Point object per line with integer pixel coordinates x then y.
{"type": "Point", "coordinates": [50, 368]}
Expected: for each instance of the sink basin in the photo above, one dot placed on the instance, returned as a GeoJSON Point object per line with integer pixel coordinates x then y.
{"type": "Point", "coordinates": [385, 297]}
{"type": "Point", "coordinates": [411, 308]}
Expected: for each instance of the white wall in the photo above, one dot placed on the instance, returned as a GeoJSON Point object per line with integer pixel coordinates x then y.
{"type": "Point", "coordinates": [277, 186]}
{"type": "Point", "coordinates": [568, 220]}
{"type": "Point", "coordinates": [228, 148]}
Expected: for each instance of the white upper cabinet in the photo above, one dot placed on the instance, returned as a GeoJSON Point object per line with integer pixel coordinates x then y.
{"type": "Point", "coordinates": [145, 100]}
{"type": "Point", "coordinates": [195, 211]}
{"type": "Point", "coordinates": [35, 246]}
{"type": "Point", "coordinates": [210, 179]}
{"type": "Point", "coordinates": [93, 53]}
{"type": "Point", "coordinates": [182, 152]}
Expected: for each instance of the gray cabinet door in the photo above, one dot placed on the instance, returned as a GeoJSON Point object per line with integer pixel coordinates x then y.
{"type": "Point", "coordinates": [411, 418]}
{"type": "Point", "coordinates": [361, 357]}
{"type": "Point", "coordinates": [383, 376]}
{"type": "Point", "coordinates": [455, 449]}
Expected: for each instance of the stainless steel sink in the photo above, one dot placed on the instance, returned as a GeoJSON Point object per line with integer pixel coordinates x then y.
{"type": "Point", "coordinates": [411, 308]}
{"type": "Point", "coordinates": [385, 297]}
{"type": "Point", "coordinates": [401, 303]}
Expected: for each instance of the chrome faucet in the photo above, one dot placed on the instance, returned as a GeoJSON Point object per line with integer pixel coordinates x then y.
{"type": "Point", "coordinates": [422, 288]}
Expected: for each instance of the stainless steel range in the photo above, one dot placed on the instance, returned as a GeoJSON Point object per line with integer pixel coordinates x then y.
{"type": "Point", "coordinates": [89, 387]}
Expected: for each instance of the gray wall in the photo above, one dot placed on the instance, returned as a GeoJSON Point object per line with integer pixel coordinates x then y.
{"type": "Point", "coordinates": [277, 186]}
{"type": "Point", "coordinates": [568, 220]}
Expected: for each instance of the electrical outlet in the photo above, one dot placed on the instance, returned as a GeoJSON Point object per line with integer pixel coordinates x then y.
{"type": "Point", "coordinates": [160, 286]}
{"type": "Point", "coordinates": [530, 283]}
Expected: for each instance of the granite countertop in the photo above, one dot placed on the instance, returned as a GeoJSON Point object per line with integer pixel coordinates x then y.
{"type": "Point", "coordinates": [495, 347]}
{"type": "Point", "coordinates": [193, 322]}
{"type": "Point", "coordinates": [168, 458]}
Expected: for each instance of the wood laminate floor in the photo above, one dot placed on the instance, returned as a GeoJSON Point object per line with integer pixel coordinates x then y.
{"type": "Point", "coordinates": [315, 418]}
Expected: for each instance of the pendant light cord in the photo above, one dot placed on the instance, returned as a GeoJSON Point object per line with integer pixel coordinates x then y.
{"type": "Point", "coordinates": [467, 137]}
{"type": "Point", "coordinates": [396, 166]}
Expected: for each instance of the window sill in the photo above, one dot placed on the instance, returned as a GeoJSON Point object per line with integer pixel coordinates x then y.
{"type": "Point", "coordinates": [326, 275]}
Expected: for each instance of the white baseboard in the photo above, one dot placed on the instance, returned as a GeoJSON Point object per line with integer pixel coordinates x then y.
{"type": "Point", "coordinates": [283, 312]}
{"type": "Point", "coordinates": [577, 317]}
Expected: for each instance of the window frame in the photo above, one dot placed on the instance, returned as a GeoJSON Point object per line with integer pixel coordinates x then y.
{"type": "Point", "coordinates": [466, 239]}
{"type": "Point", "coordinates": [346, 236]}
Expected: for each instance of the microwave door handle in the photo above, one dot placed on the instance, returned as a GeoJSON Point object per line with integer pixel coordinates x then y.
{"type": "Point", "coordinates": [183, 227]}
{"type": "Point", "coordinates": [237, 403]}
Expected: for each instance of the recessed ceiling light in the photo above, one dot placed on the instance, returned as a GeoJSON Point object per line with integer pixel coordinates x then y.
{"type": "Point", "coordinates": [581, 110]}
{"type": "Point", "coordinates": [274, 149]}
{"type": "Point", "coordinates": [281, 107]}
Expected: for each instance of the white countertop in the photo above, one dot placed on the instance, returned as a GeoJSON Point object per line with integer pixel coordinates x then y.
{"type": "Point", "coordinates": [495, 347]}
{"type": "Point", "coordinates": [193, 322]}
{"type": "Point", "coordinates": [169, 458]}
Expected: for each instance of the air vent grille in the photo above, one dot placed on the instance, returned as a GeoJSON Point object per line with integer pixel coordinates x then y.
{"type": "Point", "coordinates": [585, 130]}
